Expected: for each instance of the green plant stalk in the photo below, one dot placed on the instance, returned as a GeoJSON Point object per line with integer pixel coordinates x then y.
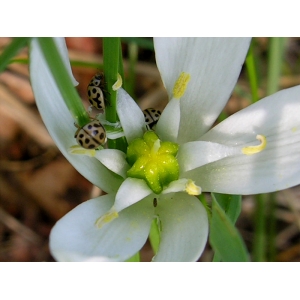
{"type": "Point", "coordinates": [121, 143]}
{"type": "Point", "coordinates": [11, 50]}
{"type": "Point", "coordinates": [121, 67]}
{"type": "Point", "coordinates": [275, 62]}
{"type": "Point", "coordinates": [63, 81]}
{"type": "Point", "coordinates": [272, 227]}
{"type": "Point", "coordinates": [259, 242]}
{"type": "Point", "coordinates": [252, 74]}
{"type": "Point", "coordinates": [133, 55]}
{"type": "Point", "coordinates": [111, 68]}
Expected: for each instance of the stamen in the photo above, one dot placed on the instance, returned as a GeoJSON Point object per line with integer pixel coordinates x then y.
{"type": "Point", "coordinates": [181, 85]}
{"type": "Point", "coordinates": [118, 83]}
{"type": "Point", "coordinates": [256, 149]}
{"type": "Point", "coordinates": [76, 149]}
{"type": "Point", "coordinates": [155, 147]}
{"type": "Point", "coordinates": [192, 189]}
{"type": "Point", "coordinates": [108, 217]}
{"type": "Point", "coordinates": [183, 185]}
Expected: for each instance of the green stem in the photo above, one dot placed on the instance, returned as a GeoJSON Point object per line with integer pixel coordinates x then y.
{"type": "Point", "coordinates": [277, 47]}
{"type": "Point", "coordinates": [63, 81]}
{"type": "Point", "coordinates": [275, 62]}
{"type": "Point", "coordinates": [259, 243]}
{"type": "Point", "coordinates": [133, 55]}
{"type": "Point", "coordinates": [111, 65]}
{"type": "Point", "coordinates": [252, 74]}
{"type": "Point", "coordinates": [272, 227]}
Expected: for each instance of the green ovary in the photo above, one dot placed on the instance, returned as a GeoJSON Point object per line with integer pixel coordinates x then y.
{"type": "Point", "coordinates": [153, 161]}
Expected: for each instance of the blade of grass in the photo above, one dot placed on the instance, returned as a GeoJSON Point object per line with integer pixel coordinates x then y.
{"type": "Point", "coordinates": [11, 50]}
{"type": "Point", "coordinates": [63, 81]}
{"type": "Point", "coordinates": [224, 237]}
{"type": "Point", "coordinates": [232, 206]}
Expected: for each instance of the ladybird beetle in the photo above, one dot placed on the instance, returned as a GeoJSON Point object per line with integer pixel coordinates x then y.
{"type": "Point", "coordinates": [95, 91]}
{"type": "Point", "coordinates": [91, 135]}
{"type": "Point", "coordinates": [151, 117]}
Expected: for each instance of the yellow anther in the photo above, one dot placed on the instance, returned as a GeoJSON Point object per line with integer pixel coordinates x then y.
{"type": "Point", "coordinates": [255, 149]}
{"type": "Point", "coordinates": [118, 83]}
{"type": "Point", "coordinates": [108, 217]}
{"type": "Point", "coordinates": [192, 189]}
{"type": "Point", "coordinates": [76, 149]}
{"type": "Point", "coordinates": [181, 85]}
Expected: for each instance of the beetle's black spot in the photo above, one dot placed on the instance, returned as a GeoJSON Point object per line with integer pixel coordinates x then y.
{"type": "Point", "coordinates": [95, 132]}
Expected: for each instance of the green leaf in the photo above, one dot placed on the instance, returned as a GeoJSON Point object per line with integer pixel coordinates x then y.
{"type": "Point", "coordinates": [231, 204]}
{"type": "Point", "coordinates": [63, 81]}
{"type": "Point", "coordinates": [135, 258]}
{"type": "Point", "coordinates": [224, 237]}
{"type": "Point", "coordinates": [11, 50]}
{"type": "Point", "coordinates": [154, 235]}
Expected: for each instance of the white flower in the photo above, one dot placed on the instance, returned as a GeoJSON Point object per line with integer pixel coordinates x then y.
{"type": "Point", "coordinates": [199, 75]}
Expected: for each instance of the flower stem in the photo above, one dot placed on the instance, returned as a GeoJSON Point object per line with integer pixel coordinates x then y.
{"type": "Point", "coordinates": [277, 47]}
{"type": "Point", "coordinates": [275, 62]}
{"type": "Point", "coordinates": [259, 243]}
{"type": "Point", "coordinates": [133, 56]}
{"type": "Point", "coordinates": [63, 81]}
{"type": "Point", "coordinates": [252, 74]}
{"type": "Point", "coordinates": [111, 56]}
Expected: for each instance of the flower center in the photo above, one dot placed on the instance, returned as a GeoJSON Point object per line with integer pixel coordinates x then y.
{"type": "Point", "coordinates": [153, 161]}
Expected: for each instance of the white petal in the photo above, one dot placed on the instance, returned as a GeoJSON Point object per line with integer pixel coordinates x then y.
{"type": "Point", "coordinates": [75, 236]}
{"type": "Point", "coordinates": [214, 65]}
{"type": "Point", "coordinates": [131, 191]}
{"type": "Point", "coordinates": [114, 160]}
{"type": "Point", "coordinates": [184, 228]}
{"type": "Point", "coordinates": [168, 124]}
{"type": "Point", "coordinates": [276, 167]}
{"type": "Point", "coordinates": [196, 154]}
{"type": "Point", "coordinates": [131, 116]}
{"type": "Point", "coordinates": [60, 123]}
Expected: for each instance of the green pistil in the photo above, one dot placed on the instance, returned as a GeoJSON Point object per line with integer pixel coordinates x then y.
{"type": "Point", "coordinates": [153, 161]}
